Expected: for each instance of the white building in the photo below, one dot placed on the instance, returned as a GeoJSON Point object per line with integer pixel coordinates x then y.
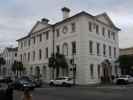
{"type": "Point", "coordinates": [126, 51]}
{"type": "Point", "coordinates": [10, 55]}
{"type": "Point", "coordinates": [93, 40]}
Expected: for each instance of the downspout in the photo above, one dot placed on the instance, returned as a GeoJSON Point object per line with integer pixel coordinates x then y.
{"type": "Point", "coordinates": [53, 39]}
{"type": "Point", "coordinates": [53, 70]}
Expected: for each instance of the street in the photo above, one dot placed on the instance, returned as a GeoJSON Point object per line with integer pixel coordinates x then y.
{"type": "Point", "coordinates": [81, 93]}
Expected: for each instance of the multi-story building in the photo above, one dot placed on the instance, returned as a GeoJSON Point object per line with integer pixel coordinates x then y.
{"type": "Point", "coordinates": [91, 40]}
{"type": "Point", "coordinates": [126, 51]}
{"type": "Point", "coordinates": [10, 55]}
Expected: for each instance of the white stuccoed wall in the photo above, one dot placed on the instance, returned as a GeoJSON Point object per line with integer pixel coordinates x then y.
{"type": "Point", "coordinates": [83, 59]}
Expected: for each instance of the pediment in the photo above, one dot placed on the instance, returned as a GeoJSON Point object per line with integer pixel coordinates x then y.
{"type": "Point", "coordinates": [105, 19]}
{"type": "Point", "coordinates": [38, 26]}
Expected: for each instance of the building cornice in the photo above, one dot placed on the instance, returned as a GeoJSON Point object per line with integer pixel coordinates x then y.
{"type": "Point", "coordinates": [68, 19]}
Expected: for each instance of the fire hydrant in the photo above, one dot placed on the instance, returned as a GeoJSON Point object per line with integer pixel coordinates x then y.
{"type": "Point", "coordinates": [27, 95]}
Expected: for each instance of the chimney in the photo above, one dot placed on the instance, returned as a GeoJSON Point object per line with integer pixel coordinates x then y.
{"type": "Point", "coordinates": [65, 12]}
{"type": "Point", "coordinates": [44, 21]}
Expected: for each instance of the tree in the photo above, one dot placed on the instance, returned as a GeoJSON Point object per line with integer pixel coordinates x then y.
{"type": "Point", "coordinates": [52, 64]}
{"type": "Point", "coordinates": [2, 62]}
{"type": "Point", "coordinates": [21, 68]}
{"type": "Point", "coordinates": [18, 68]}
{"type": "Point", "coordinates": [126, 64]}
{"type": "Point", "coordinates": [57, 61]}
{"type": "Point", "coordinates": [60, 63]}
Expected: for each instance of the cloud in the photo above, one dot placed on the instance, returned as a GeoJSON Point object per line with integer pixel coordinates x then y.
{"type": "Point", "coordinates": [18, 16]}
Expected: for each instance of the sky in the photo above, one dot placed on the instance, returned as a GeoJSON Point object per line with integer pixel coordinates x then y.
{"type": "Point", "coordinates": [17, 17]}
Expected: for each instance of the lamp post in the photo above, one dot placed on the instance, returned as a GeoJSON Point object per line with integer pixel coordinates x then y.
{"type": "Point", "coordinates": [74, 70]}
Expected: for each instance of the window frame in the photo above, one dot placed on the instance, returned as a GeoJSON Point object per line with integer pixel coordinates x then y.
{"type": "Point", "coordinates": [92, 71]}
{"type": "Point", "coordinates": [91, 47]}
{"type": "Point", "coordinates": [73, 27]}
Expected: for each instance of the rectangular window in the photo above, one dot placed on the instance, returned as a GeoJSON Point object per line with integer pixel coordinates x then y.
{"type": "Point", "coordinates": [58, 49]}
{"type": "Point", "coordinates": [73, 26]}
{"type": "Point", "coordinates": [15, 54]}
{"type": "Point", "coordinates": [34, 40]}
{"type": "Point", "coordinates": [21, 44]}
{"type": "Point", "coordinates": [113, 34]}
{"type": "Point", "coordinates": [73, 47]}
{"type": "Point", "coordinates": [21, 58]}
{"type": "Point", "coordinates": [98, 71]}
{"type": "Point", "coordinates": [98, 49]}
{"type": "Point", "coordinates": [34, 55]}
{"type": "Point", "coordinates": [28, 56]}
{"type": "Point", "coordinates": [103, 31]}
{"type": "Point", "coordinates": [24, 56]}
{"type": "Point", "coordinates": [92, 71]}
{"type": "Point", "coordinates": [25, 42]}
{"type": "Point", "coordinates": [114, 52]}
{"type": "Point", "coordinates": [110, 51]}
{"type": "Point", "coordinates": [90, 26]}
{"type": "Point", "coordinates": [109, 32]}
{"type": "Point", "coordinates": [97, 29]}
{"type": "Point", "coordinates": [91, 47]}
{"type": "Point", "coordinates": [46, 52]}
{"type": "Point", "coordinates": [57, 33]}
{"type": "Point", "coordinates": [29, 42]}
{"type": "Point", "coordinates": [104, 50]}
{"type": "Point", "coordinates": [40, 54]}
{"type": "Point", "coordinates": [47, 35]}
{"type": "Point", "coordinates": [40, 37]}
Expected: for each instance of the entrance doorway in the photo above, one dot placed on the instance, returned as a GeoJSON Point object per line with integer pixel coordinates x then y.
{"type": "Point", "coordinates": [107, 71]}
{"type": "Point", "coordinates": [37, 72]}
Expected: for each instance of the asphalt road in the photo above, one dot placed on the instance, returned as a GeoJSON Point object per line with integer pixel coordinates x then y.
{"type": "Point", "coordinates": [81, 93]}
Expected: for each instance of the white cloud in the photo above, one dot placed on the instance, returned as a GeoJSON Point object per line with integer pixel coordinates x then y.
{"type": "Point", "coordinates": [18, 16]}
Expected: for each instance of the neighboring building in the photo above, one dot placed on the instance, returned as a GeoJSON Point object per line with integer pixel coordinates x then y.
{"type": "Point", "coordinates": [10, 55]}
{"type": "Point", "coordinates": [93, 40]}
{"type": "Point", "coordinates": [126, 51]}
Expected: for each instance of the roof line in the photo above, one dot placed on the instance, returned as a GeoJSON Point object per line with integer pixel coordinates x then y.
{"type": "Point", "coordinates": [78, 14]}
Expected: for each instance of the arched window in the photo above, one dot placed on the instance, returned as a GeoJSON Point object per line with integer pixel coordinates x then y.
{"type": "Point", "coordinates": [65, 49]}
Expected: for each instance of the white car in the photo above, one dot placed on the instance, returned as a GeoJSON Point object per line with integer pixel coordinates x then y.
{"type": "Point", "coordinates": [124, 79]}
{"type": "Point", "coordinates": [64, 81]}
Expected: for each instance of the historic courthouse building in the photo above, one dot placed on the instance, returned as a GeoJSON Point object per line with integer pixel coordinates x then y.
{"type": "Point", "coordinates": [92, 41]}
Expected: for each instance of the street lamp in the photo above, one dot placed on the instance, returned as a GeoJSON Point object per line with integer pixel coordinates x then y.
{"type": "Point", "coordinates": [74, 69]}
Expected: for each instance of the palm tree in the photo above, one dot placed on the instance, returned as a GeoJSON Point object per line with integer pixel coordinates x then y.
{"type": "Point", "coordinates": [21, 68]}
{"type": "Point", "coordinates": [52, 64]}
{"type": "Point", "coordinates": [18, 68]}
{"type": "Point", "coordinates": [2, 62]}
{"type": "Point", "coordinates": [60, 63]}
{"type": "Point", "coordinates": [57, 61]}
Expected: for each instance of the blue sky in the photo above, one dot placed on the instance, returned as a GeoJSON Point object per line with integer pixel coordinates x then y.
{"type": "Point", "coordinates": [18, 16]}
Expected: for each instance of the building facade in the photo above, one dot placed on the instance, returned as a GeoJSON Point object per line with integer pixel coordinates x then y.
{"type": "Point", "coordinates": [92, 41]}
{"type": "Point", "coordinates": [126, 51]}
{"type": "Point", "coordinates": [10, 55]}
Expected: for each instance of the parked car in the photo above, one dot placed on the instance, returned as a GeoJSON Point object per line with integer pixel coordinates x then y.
{"type": "Point", "coordinates": [123, 79]}
{"type": "Point", "coordinates": [62, 81]}
{"type": "Point", "coordinates": [37, 82]}
{"type": "Point", "coordinates": [22, 83]}
{"type": "Point", "coordinates": [1, 79]}
{"type": "Point", "coordinates": [5, 79]}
